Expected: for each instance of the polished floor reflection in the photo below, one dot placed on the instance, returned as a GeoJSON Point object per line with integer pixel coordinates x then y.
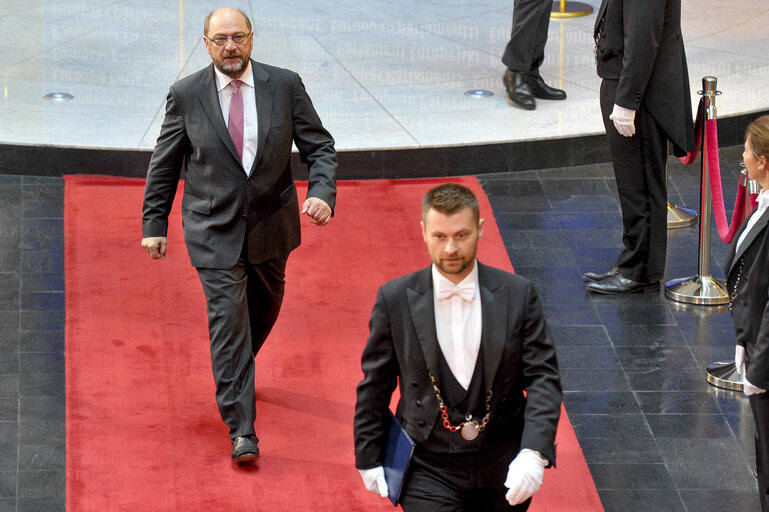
{"type": "Point", "coordinates": [382, 73]}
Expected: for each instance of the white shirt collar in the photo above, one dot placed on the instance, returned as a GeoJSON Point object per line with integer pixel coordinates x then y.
{"type": "Point", "coordinates": [223, 80]}
{"type": "Point", "coordinates": [472, 277]}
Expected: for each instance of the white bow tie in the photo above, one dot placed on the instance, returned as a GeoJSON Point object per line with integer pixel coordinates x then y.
{"type": "Point", "coordinates": [447, 290]}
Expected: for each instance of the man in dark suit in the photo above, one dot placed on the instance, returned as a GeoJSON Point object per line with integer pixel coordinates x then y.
{"type": "Point", "coordinates": [525, 53]}
{"type": "Point", "coordinates": [231, 127]}
{"type": "Point", "coordinates": [479, 384]}
{"type": "Point", "coordinates": [645, 101]}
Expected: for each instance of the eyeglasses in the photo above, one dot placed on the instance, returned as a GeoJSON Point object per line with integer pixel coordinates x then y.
{"type": "Point", "coordinates": [222, 40]}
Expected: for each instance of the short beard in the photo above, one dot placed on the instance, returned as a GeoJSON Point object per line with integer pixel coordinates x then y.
{"type": "Point", "coordinates": [232, 70]}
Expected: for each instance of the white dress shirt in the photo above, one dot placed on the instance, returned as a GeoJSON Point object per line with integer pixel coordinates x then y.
{"type": "Point", "coordinates": [250, 133]}
{"type": "Point", "coordinates": [763, 204]}
{"type": "Point", "coordinates": [458, 326]}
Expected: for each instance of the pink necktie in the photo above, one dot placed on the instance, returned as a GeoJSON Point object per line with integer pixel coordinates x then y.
{"type": "Point", "coordinates": [235, 120]}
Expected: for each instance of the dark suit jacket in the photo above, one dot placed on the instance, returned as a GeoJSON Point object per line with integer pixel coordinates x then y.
{"type": "Point", "coordinates": [221, 203]}
{"type": "Point", "coordinates": [640, 44]}
{"type": "Point", "coordinates": [518, 355]}
{"type": "Point", "coordinates": [749, 311]}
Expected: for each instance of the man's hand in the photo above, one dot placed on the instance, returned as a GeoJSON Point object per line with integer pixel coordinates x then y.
{"type": "Point", "coordinates": [524, 476]}
{"type": "Point", "coordinates": [318, 210]}
{"type": "Point", "coordinates": [374, 480]}
{"type": "Point", "coordinates": [750, 389]}
{"type": "Point", "coordinates": [156, 246]}
{"type": "Point", "coordinates": [624, 120]}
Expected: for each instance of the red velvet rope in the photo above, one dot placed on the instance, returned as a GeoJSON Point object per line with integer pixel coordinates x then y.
{"type": "Point", "coordinates": [725, 230]}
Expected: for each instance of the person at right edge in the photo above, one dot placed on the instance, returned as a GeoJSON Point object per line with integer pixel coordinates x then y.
{"type": "Point", "coordinates": [747, 280]}
{"type": "Point", "coordinates": [645, 102]}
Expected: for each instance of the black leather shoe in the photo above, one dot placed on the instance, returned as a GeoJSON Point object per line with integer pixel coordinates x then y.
{"type": "Point", "coordinates": [518, 89]}
{"type": "Point", "coordinates": [245, 449]}
{"type": "Point", "coordinates": [619, 285]}
{"type": "Point", "coordinates": [600, 276]}
{"type": "Point", "coordinates": [543, 91]}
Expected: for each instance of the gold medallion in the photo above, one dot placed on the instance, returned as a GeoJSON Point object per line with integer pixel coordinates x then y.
{"type": "Point", "coordinates": [469, 430]}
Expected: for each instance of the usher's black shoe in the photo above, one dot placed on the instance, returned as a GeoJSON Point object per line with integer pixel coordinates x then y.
{"type": "Point", "coordinates": [600, 276]}
{"type": "Point", "coordinates": [518, 89]}
{"type": "Point", "coordinates": [245, 449]}
{"type": "Point", "coordinates": [543, 91]}
{"type": "Point", "coordinates": [619, 285]}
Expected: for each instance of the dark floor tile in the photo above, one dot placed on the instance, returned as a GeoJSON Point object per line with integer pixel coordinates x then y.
{"type": "Point", "coordinates": [45, 282]}
{"type": "Point", "coordinates": [593, 238]}
{"type": "Point", "coordinates": [9, 291]}
{"type": "Point", "coordinates": [631, 476]}
{"type": "Point", "coordinates": [526, 220]}
{"type": "Point", "coordinates": [686, 450]}
{"type": "Point", "coordinates": [9, 341]}
{"type": "Point", "coordinates": [587, 357]}
{"type": "Point", "coordinates": [720, 500]}
{"type": "Point", "coordinates": [55, 504]}
{"type": "Point", "coordinates": [8, 481]}
{"type": "Point", "coordinates": [42, 228]}
{"type": "Point", "coordinates": [9, 385]}
{"type": "Point", "coordinates": [41, 341]}
{"type": "Point", "coordinates": [650, 357]}
{"type": "Point", "coordinates": [621, 451]}
{"type": "Point", "coordinates": [41, 457]}
{"type": "Point", "coordinates": [8, 457]}
{"type": "Point", "coordinates": [8, 505]}
{"type": "Point", "coordinates": [533, 239]}
{"type": "Point", "coordinates": [601, 402]}
{"type": "Point", "coordinates": [48, 245]}
{"type": "Point", "coordinates": [42, 362]}
{"type": "Point", "coordinates": [533, 258]}
{"type": "Point", "coordinates": [712, 475]}
{"type": "Point", "coordinates": [631, 310]}
{"type": "Point", "coordinates": [35, 408]}
{"type": "Point", "coordinates": [570, 315]}
{"type": "Point", "coordinates": [677, 402]}
{"type": "Point", "coordinates": [41, 484]}
{"type": "Point", "coordinates": [606, 426]}
{"type": "Point", "coordinates": [42, 320]}
{"type": "Point", "coordinates": [742, 426]}
{"type": "Point", "coordinates": [41, 432]}
{"type": "Point", "coordinates": [42, 301]}
{"type": "Point", "coordinates": [9, 409]}
{"type": "Point", "coordinates": [641, 501]}
{"type": "Point", "coordinates": [38, 261]}
{"type": "Point", "coordinates": [9, 363]}
{"type": "Point", "coordinates": [688, 425]}
{"type": "Point", "coordinates": [667, 379]}
{"type": "Point", "coordinates": [543, 277]}
{"type": "Point", "coordinates": [589, 220]}
{"type": "Point", "coordinates": [645, 335]}
{"type": "Point", "coordinates": [566, 295]}
{"type": "Point", "coordinates": [43, 209]}
{"type": "Point", "coordinates": [579, 335]}
{"type": "Point", "coordinates": [9, 432]}
{"type": "Point", "coordinates": [9, 321]}
{"type": "Point", "coordinates": [41, 384]}
{"type": "Point", "coordinates": [593, 379]}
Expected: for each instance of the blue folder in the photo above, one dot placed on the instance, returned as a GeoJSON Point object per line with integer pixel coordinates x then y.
{"type": "Point", "coordinates": [399, 448]}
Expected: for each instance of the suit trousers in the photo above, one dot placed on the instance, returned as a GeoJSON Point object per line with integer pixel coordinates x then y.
{"type": "Point", "coordinates": [243, 303]}
{"type": "Point", "coordinates": [759, 405]}
{"type": "Point", "coordinates": [459, 482]}
{"type": "Point", "coordinates": [526, 49]}
{"type": "Point", "coordinates": [639, 169]}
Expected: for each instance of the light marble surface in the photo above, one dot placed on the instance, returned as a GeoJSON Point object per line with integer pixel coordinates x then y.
{"type": "Point", "coordinates": [382, 73]}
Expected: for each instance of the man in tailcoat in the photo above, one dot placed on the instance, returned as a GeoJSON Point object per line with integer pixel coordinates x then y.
{"type": "Point", "coordinates": [645, 102]}
{"type": "Point", "coordinates": [231, 127]}
{"type": "Point", "coordinates": [476, 368]}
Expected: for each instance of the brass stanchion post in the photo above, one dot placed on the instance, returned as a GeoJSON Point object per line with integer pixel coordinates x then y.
{"type": "Point", "coordinates": [564, 9]}
{"type": "Point", "coordinates": [702, 289]}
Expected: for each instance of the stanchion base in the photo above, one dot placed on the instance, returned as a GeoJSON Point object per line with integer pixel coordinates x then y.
{"type": "Point", "coordinates": [702, 290]}
{"type": "Point", "coordinates": [723, 374]}
{"type": "Point", "coordinates": [679, 217]}
{"type": "Point", "coordinates": [571, 10]}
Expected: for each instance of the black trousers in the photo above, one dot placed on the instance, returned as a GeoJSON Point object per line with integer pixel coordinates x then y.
{"type": "Point", "coordinates": [639, 168]}
{"type": "Point", "coordinates": [759, 405]}
{"type": "Point", "coordinates": [526, 49]}
{"type": "Point", "coordinates": [243, 303]}
{"type": "Point", "coordinates": [459, 482]}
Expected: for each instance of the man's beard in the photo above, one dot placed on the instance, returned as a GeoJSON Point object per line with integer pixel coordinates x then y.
{"type": "Point", "coordinates": [232, 70]}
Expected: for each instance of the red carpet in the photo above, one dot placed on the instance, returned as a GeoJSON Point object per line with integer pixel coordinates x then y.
{"type": "Point", "coordinates": [143, 431]}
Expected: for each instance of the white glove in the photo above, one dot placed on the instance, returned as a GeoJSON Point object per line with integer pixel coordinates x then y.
{"type": "Point", "coordinates": [739, 359]}
{"type": "Point", "coordinates": [624, 120]}
{"type": "Point", "coordinates": [750, 389]}
{"type": "Point", "coordinates": [524, 476]}
{"type": "Point", "coordinates": [374, 480]}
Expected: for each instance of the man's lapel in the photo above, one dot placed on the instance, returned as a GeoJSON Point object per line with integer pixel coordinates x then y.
{"type": "Point", "coordinates": [422, 309]}
{"type": "Point", "coordinates": [494, 310]}
{"type": "Point", "coordinates": [209, 98]}
{"type": "Point", "coordinates": [599, 16]}
{"type": "Point", "coordinates": [264, 90]}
